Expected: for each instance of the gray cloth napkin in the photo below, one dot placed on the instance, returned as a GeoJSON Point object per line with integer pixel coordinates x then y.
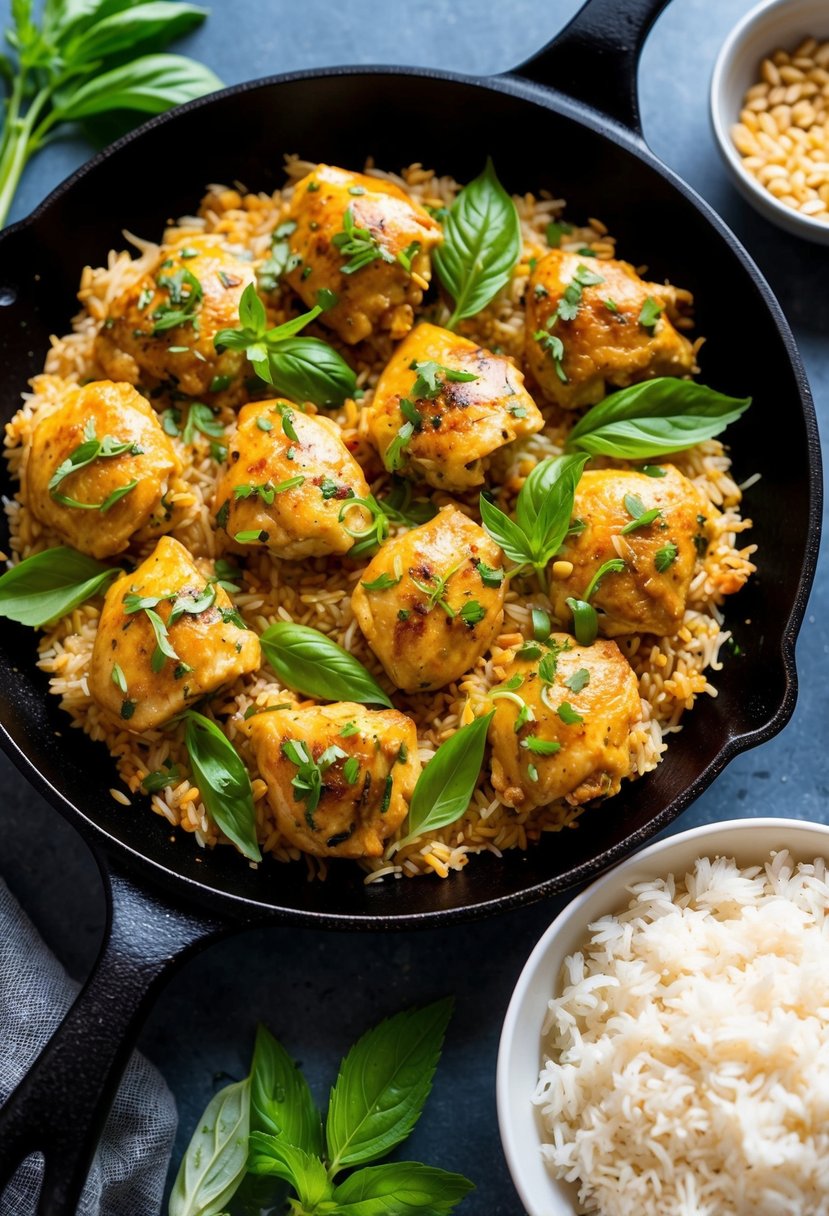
{"type": "Point", "coordinates": [130, 1166]}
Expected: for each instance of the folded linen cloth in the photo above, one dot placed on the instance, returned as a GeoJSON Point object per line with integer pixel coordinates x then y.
{"type": "Point", "coordinates": [130, 1166]}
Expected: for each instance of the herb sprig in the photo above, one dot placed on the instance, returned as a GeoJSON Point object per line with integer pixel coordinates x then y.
{"type": "Point", "coordinates": [84, 62]}
{"type": "Point", "coordinates": [267, 1128]}
{"type": "Point", "coordinates": [543, 513]}
{"type": "Point", "coordinates": [304, 369]}
{"type": "Point", "coordinates": [481, 245]}
{"type": "Point", "coordinates": [309, 662]}
{"type": "Point", "coordinates": [46, 586]}
{"type": "Point", "coordinates": [654, 418]}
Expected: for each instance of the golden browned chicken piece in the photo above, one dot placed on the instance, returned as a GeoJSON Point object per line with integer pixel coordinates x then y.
{"type": "Point", "coordinates": [650, 594]}
{"type": "Point", "coordinates": [366, 240]}
{"type": "Point", "coordinates": [593, 326]}
{"type": "Point", "coordinates": [443, 405]}
{"type": "Point", "coordinates": [166, 637]}
{"type": "Point", "coordinates": [162, 327]}
{"type": "Point", "coordinates": [99, 467]}
{"type": "Point", "coordinates": [562, 723]}
{"type": "Point", "coordinates": [432, 600]}
{"type": "Point", "coordinates": [340, 777]}
{"type": "Point", "coordinates": [288, 479]}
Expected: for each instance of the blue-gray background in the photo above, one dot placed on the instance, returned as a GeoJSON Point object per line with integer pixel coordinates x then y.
{"type": "Point", "coordinates": [319, 992]}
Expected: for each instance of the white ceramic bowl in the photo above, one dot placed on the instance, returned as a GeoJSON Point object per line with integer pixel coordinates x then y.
{"type": "Point", "coordinates": [772, 24]}
{"type": "Point", "coordinates": [520, 1053]}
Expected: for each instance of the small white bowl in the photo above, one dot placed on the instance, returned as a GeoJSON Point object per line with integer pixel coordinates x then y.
{"type": "Point", "coordinates": [520, 1053]}
{"type": "Point", "coordinates": [769, 26]}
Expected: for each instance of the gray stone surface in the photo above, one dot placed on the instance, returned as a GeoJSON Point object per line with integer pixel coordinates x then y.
{"type": "Point", "coordinates": [319, 992]}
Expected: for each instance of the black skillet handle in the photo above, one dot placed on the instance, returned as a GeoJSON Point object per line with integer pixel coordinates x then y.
{"type": "Point", "coordinates": [595, 58]}
{"type": "Point", "coordinates": [61, 1105]}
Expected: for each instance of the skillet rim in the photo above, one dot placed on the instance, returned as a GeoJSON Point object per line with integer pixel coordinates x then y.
{"type": "Point", "coordinates": [117, 852]}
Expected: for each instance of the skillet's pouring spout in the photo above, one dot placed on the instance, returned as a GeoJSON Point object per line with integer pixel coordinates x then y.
{"type": "Point", "coordinates": [595, 58]}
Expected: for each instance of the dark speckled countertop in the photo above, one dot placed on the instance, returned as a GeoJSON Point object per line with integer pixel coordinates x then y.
{"type": "Point", "coordinates": [318, 992]}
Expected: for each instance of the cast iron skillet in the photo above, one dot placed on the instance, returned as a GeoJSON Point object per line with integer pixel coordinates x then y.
{"type": "Point", "coordinates": [568, 120]}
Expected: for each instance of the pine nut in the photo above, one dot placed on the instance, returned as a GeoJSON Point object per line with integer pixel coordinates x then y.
{"type": "Point", "coordinates": [783, 132]}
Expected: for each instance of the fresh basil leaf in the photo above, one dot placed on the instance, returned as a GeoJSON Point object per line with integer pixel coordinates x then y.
{"type": "Point", "coordinates": [150, 84]}
{"type": "Point", "coordinates": [655, 418]}
{"type": "Point", "coordinates": [131, 28]}
{"type": "Point", "coordinates": [280, 1100]}
{"type": "Point", "coordinates": [309, 662]}
{"type": "Point", "coordinates": [216, 1159]}
{"type": "Point", "coordinates": [46, 586]}
{"type": "Point", "coordinates": [505, 532]}
{"type": "Point", "coordinates": [275, 1156]}
{"type": "Point", "coordinates": [444, 789]}
{"type": "Point", "coordinates": [400, 1188]}
{"type": "Point", "coordinates": [545, 504]}
{"type": "Point", "coordinates": [307, 369]}
{"type": "Point", "coordinates": [481, 245]}
{"type": "Point", "coordinates": [223, 781]}
{"type": "Point", "coordinates": [383, 1083]}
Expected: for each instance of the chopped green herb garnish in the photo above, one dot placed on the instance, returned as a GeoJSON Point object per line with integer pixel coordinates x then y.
{"type": "Point", "coordinates": [640, 518]}
{"type": "Point", "coordinates": [118, 678]}
{"type": "Point", "coordinates": [650, 314]}
{"type": "Point", "coordinates": [665, 557]}
{"type": "Point", "coordinates": [541, 747]}
{"type": "Point", "coordinates": [358, 245]}
{"type": "Point", "coordinates": [472, 613]}
{"type": "Point", "coordinates": [568, 715]}
{"type": "Point", "coordinates": [578, 680]}
{"type": "Point", "coordinates": [491, 576]}
{"type": "Point", "coordinates": [384, 583]}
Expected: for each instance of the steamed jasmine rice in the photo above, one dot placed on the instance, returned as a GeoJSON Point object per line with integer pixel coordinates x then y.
{"type": "Point", "coordinates": [687, 1049]}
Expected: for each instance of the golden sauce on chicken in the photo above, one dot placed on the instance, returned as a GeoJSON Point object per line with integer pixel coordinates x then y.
{"type": "Point", "coordinates": [657, 525]}
{"type": "Point", "coordinates": [99, 470]}
{"type": "Point", "coordinates": [432, 600]}
{"type": "Point", "coordinates": [168, 634]}
{"type": "Point", "coordinates": [161, 328]}
{"type": "Point", "coordinates": [454, 402]}
{"type": "Point", "coordinates": [288, 484]}
{"type": "Point", "coordinates": [562, 723]}
{"type": "Point", "coordinates": [596, 325]}
{"type": "Point", "coordinates": [367, 766]}
{"type": "Point", "coordinates": [364, 239]}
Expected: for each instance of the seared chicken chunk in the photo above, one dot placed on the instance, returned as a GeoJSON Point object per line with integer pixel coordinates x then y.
{"type": "Point", "coordinates": [562, 729]}
{"type": "Point", "coordinates": [288, 482]}
{"type": "Point", "coordinates": [340, 777]}
{"type": "Point", "coordinates": [162, 327]}
{"type": "Point", "coordinates": [443, 405]}
{"type": "Point", "coordinates": [593, 326]}
{"type": "Point", "coordinates": [366, 240]}
{"type": "Point", "coordinates": [166, 637]}
{"type": "Point", "coordinates": [99, 468]}
{"type": "Point", "coordinates": [650, 593]}
{"type": "Point", "coordinates": [432, 600]}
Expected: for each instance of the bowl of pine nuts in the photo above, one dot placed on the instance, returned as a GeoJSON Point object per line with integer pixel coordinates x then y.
{"type": "Point", "coordinates": [770, 113]}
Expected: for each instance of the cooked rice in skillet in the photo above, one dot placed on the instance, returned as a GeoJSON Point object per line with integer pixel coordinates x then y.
{"type": "Point", "coordinates": [317, 591]}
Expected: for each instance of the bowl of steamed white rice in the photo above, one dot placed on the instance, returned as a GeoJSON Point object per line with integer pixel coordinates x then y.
{"type": "Point", "coordinates": [666, 1049]}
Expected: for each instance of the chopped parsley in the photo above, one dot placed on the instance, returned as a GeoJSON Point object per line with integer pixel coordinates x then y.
{"type": "Point", "coordinates": [650, 314]}
{"type": "Point", "coordinates": [578, 680]}
{"type": "Point", "coordinates": [358, 246]}
{"type": "Point", "coordinates": [639, 517]}
{"type": "Point", "coordinates": [665, 557]}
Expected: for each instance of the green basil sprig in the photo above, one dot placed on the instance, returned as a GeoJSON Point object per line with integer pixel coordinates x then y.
{"type": "Point", "coordinates": [309, 662]}
{"type": "Point", "coordinates": [543, 512]}
{"type": "Point", "coordinates": [654, 418]}
{"type": "Point", "coordinates": [216, 1158]}
{"type": "Point", "coordinates": [481, 245]}
{"type": "Point", "coordinates": [223, 781]}
{"type": "Point", "coordinates": [69, 66]}
{"type": "Point", "coordinates": [377, 1099]}
{"type": "Point", "coordinates": [444, 789]}
{"type": "Point", "coordinates": [46, 586]}
{"type": "Point", "coordinates": [304, 369]}
{"type": "Point", "coordinates": [383, 1084]}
